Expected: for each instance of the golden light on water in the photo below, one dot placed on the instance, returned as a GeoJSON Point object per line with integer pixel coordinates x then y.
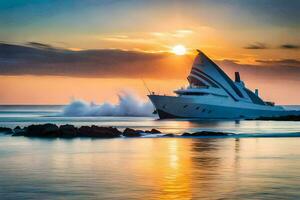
{"type": "Point", "coordinates": [179, 50]}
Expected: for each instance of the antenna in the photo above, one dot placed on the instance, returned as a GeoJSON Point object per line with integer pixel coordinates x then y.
{"type": "Point", "coordinates": [146, 86]}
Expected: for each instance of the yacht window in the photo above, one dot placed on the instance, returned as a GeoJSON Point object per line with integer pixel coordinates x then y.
{"type": "Point", "coordinates": [203, 110]}
{"type": "Point", "coordinates": [197, 108]}
{"type": "Point", "coordinates": [185, 106]}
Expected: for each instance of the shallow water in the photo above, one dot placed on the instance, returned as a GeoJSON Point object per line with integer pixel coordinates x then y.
{"type": "Point", "coordinates": [149, 168]}
{"type": "Point", "coordinates": [152, 168]}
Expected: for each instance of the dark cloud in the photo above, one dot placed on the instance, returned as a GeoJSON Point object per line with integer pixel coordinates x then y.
{"type": "Point", "coordinates": [290, 46]}
{"type": "Point", "coordinates": [257, 45]}
{"type": "Point", "coordinates": [266, 70]}
{"type": "Point", "coordinates": [41, 45]}
{"type": "Point", "coordinates": [43, 59]}
{"type": "Point", "coordinates": [115, 63]}
{"type": "Point", "coordinates": [291, 62]}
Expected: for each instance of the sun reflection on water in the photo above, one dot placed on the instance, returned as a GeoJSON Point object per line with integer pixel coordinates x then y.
{"type": "Point", "coordinates": [149, 168]}
{"type": "Point", "coordinates": [176, 179]}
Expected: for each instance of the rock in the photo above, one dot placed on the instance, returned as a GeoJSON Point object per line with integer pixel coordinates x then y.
{"type": "Point", "coordinates": [42, 130]}
{"type": "Point", "coordinates": [209, 133]}
{"type": "Point", "coordinates": [186, 134]}
{"type": "Point", "coordinates": [128, 132]}
{"type": "Point", "coordinates": [206, 133]}
{"type": "Point", "coordinates": [19, 132]}
{"type": "Point", "coordinates": [153, 131]}
{"type": "Point", "coordinates": [67, 131]}
{"type": "Point", "coordinates": [168, 135]}
{"type": "Point", "coordinates": [6, 130]}
{"type": "Point", "coordinates": [98, 132]}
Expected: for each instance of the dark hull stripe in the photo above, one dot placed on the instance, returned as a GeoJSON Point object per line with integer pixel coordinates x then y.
{"type": "Point", "coordinates": [196, 73]}
{"type": "Point", "coordinates": [165, 115]}
{"type": "Point", "coordinates": [217, 83]}
{"type": "Point", "coordinates": [196, 80]}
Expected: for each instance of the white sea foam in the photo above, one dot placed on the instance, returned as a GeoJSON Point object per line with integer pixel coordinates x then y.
{"type": "Point", "coordinates": [129, 104]}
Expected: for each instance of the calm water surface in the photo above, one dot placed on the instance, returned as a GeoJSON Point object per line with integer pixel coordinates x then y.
{"type": "Point", "coordinates": [149, 168]}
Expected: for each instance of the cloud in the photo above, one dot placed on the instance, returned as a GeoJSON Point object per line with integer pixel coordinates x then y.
{"type": "Point", "coordinates": [43, 59]}
{"type": "Point", "coordinates": [289, 46]}
{"type": "Point", "coordinates": [40, 45]}
{"type": "Point", "coordinates": [266, 70]}
{"type": "Point", "coordinates": [117, 63]}
{"type": "Point", "coordinates": [257, 45]}
{"type": "Point", "coordinates": [291, 62]}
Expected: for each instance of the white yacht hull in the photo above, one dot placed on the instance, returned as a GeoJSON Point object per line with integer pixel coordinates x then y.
{"type": "Point", "coordinates": [210, 107]}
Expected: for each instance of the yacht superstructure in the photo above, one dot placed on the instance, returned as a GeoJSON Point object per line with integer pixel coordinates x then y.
{"type": "Point", "coordinates": [211, 94]}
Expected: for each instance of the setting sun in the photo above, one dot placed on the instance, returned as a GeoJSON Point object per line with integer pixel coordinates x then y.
{"type": "Point", "coordinates": [179, 50]}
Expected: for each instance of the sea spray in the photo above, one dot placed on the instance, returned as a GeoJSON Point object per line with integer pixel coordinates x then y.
{"type": "Point", "coordinates": [128, 105]}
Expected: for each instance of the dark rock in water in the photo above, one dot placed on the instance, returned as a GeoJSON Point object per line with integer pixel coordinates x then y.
{"type": "Point", "coordinates": [281, 118]}
{"type": "Point", "coordinates": [153, 131]}
{"type": "Point", "coordinates": [128, 132]}
{"type": "Point", "coordinates": [186, 134]}
{"type": "Point", "coordinates": [168, 135]}
{"type": "Point", "coordinates": [206, 133]}
{"type": "Point", "coordinates": [19, 132]}
{"type": "Point", "coordinates": [42, 130]}
{"type": "Point", "coordinates": [6, 130]}
{"type": "Point", "coordinates": [68, 131]}
{"type": "Point", "coordinates": [140, 131]}
{"type": "Point", "coordinates": [98, 132]}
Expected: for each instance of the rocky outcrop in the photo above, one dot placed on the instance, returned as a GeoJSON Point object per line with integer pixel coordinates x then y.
{"type": "Point", "coordinates": [98, 132]}
{"type": "Point", "coordinates": [18, 131]}
{"type": "Point", "coordinates": [128, 132]}
{"type": "Point", "coordinates": [68, 131]}
{"type": "Point", "coordinates": [205, 133]}
{"type": "Point", "coordinates": [42, 130]}
{"type": "Point", "coordinates": [6, 130]}
{"type": "Point", "coordinates": [153, 131]}
{"type": "Point", "coordinates": [168, 135]}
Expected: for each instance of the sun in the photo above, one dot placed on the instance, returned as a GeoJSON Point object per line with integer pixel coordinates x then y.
{"type": "Point", "coordinates": [179, 50]}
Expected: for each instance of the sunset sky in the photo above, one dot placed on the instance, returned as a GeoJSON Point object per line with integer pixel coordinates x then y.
{"type": "Point", "coordinates": [52, 51]}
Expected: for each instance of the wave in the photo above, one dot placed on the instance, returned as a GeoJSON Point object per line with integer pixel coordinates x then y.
{"type": "Point", "coordinates": [128, 104]}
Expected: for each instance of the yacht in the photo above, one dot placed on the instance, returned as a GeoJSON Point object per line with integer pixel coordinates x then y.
{"type": "Point", "coordinates": [211, 94]}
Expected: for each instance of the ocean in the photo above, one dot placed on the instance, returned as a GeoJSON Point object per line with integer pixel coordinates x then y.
{"type": "Point", "coordinates": [262, 161]}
